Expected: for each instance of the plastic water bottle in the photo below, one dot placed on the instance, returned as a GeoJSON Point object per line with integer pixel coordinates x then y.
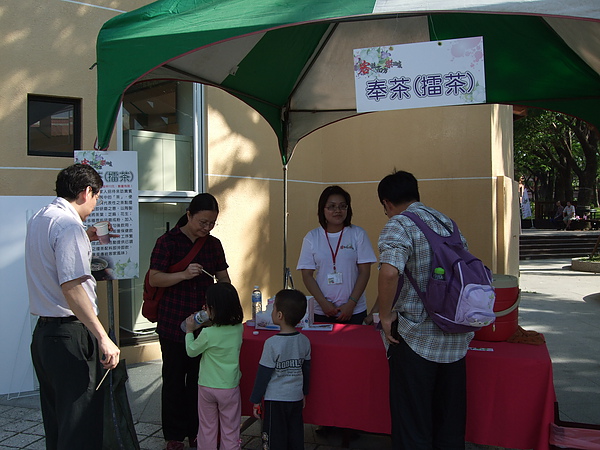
{"type": "Point", "coordinates": [200, 317]}
{"type": "Point", "coordinates": [256, 303]}
{"type": "Point", "coordinates": [438, 273]}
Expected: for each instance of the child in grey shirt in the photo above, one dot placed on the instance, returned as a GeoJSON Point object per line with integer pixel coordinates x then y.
{"type": "Point", "coordinates": [283, 376]}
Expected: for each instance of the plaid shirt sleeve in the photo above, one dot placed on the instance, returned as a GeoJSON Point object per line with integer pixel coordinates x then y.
{"type": "Point", "coordinates": [161, 255]}
{"type": "Point", "coordinates": [395, 244]}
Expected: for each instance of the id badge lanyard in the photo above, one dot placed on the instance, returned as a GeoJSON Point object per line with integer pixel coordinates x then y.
{"type": "Point", "coordinates": [335, 277]}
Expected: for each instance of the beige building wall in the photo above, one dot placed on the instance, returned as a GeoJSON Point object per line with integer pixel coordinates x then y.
{"type": "Point", "coordinates": [48, 47]}
{"type": "Point", "coordinates": [456, 153]}
{"type": "Point", "coordinates": [244, 172]}
{"type": "Point", "coordinates": [462, 156]}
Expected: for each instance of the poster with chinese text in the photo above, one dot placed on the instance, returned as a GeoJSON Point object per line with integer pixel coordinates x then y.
{"type": "Point", "coordinates": [119, 259]}
{"type": "Point", "coordinates": [425, 74]}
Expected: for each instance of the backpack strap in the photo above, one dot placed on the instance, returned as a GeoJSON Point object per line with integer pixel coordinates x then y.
{"type": "Point", "coordinates": [414, 285]}
{"type": "Point", "coordinates": [181, 265]}
{"type": "Point", "coordinates": [434, 240]}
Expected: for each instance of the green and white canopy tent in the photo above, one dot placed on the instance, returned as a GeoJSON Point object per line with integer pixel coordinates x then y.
{"type": "Point", "coordinates": [292, 60]}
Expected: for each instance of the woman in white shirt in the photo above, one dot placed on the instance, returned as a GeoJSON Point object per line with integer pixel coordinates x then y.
{"type": "Point", "coordinates": [335, 261]}
{"type": "Point", "coordinates": [569, 213]}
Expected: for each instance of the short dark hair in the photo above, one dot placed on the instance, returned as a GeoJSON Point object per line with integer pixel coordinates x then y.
{"type": "Point", "coordinates": [292, 304]}
{"type": "Point", "coordinates": [201, 202]}
{"type": "Point", "coordinates": [76, 178]}
{"type": "Point", "coordinates": [328, 192]}
{"type": "Point", "coordinates": [224, 301]}
{"type": "Point", "coordinates": [399, 187]}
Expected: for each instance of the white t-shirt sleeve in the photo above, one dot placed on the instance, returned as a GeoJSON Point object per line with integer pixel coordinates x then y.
{"type": "Point", "coordinates": [364, 247]}
{"type": "Point", "coordinates": [307, 259]}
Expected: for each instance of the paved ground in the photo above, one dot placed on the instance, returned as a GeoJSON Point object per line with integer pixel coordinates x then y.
{"type": "Point", "coordinates": [562, 304]}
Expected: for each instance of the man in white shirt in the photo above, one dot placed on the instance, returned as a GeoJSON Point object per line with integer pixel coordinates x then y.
{"type": "Point", "coordinates": [69, 343]}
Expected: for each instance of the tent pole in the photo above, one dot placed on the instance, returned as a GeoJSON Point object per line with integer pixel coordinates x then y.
{"type": "Point", "coordinates": [111, 309]}
{"type": "Point", "coordinates": [285, 224]}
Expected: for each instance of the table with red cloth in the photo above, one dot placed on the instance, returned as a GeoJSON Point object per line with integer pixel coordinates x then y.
{"type": "Point", "coordinates": [510, 392]}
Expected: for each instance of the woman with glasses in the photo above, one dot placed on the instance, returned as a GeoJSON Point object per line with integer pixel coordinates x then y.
{"type": "Point", "coordinates": [335, 261]}
{"type": "Point", "coordinates": [184, 295]}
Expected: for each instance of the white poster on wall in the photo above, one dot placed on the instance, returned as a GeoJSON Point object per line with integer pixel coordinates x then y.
{"type": "Point", "coordinates": [16, 323]}
{"type": "Point", "coordinates": [119, 259]}
{"type": "Point", "coordinates": [424, 74]}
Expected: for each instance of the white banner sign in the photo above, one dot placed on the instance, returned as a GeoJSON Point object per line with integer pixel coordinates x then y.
{"type": "Point", "coordinates": [119, 259]}
{"type": "Point", "coordinates": [425, 74]}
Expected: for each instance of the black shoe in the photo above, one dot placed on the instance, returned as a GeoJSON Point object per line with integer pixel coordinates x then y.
{"type": "Point", "coordinates": [351, 433]}
{"type": "Point", "coordinates": [323, 430]}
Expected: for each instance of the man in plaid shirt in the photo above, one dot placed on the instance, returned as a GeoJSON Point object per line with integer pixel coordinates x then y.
{"type": "Point", "coordinates": [427, 365]}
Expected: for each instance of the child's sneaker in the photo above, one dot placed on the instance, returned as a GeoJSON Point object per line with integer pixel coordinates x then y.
{"type": "Point", "coordinates": [175, 445]}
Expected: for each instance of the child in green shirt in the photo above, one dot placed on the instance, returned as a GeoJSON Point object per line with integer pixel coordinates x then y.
{"type": "Point", "coordinates": [219, 343]}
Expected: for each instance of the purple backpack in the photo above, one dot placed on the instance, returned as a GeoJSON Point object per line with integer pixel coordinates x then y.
{"type": "Point", "coordinates": [464, 300]}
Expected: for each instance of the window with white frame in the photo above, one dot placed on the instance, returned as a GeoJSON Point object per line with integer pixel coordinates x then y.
{"type": "Point", "coordinates": [162, 122]}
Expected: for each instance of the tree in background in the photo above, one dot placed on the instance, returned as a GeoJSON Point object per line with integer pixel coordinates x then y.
{"type": "Point", "coordinates": [552, 150]}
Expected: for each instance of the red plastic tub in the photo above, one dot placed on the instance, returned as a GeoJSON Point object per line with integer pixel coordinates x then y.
{"type": "Point", "coordinates": [506, 309]}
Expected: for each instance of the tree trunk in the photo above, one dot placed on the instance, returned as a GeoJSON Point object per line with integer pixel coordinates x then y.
{"type": "Point", "coordinates": [588, 138]}
{"type": "Point", "coordinates": [588, 193]}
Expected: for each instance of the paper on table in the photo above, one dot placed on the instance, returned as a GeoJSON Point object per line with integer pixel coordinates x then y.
{"type": "Point", "coordinates": [266, 327]}
{"type": "Point", "coordinates": [318, 327]}
{"type": "Point", "coordinates": [264, 321]}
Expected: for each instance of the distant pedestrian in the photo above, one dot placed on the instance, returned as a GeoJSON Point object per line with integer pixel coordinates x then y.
{"type": "Point", "coordinates": [557, 220]}
{"type": "Point", "coordinates": [69, 346]}
{"type": "Point", "coordinates": [219, 343]}
{"type": "Point", "coordinates": [283, 376]}
{"type": "Point", "coordinates": [569, 215]}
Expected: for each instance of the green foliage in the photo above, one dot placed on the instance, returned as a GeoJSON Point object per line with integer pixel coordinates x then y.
{"type": "Point", "coordinates": [555, 153]}
{"type": "Point", "coordinates": [592, 259]}
{"type": "Point", "coordinates": [528, 134]}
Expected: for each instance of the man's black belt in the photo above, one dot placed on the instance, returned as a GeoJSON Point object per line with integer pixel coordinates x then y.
{"type": "Point", "coordinates": [58, 319]}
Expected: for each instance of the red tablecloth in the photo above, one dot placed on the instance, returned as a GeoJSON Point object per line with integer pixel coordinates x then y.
{"type": "Point", "coordinates": [510, 395]}
{"type": "Point", "coordinates": [510, 398]}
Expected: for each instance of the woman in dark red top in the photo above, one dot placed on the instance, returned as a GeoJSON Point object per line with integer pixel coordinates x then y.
{"type": "Point", "coordinates": [184, 296]}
